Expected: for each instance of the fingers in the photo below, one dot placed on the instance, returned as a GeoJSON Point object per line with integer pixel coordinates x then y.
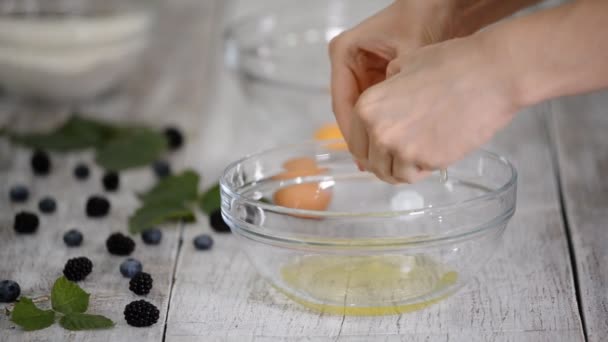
{"type": "Point", "coordinates": [358, 142]}
{"type": "Point", "coordinates": [344, 86]}
{"type": "Point", "coordinates": [407, 172]}
{"type": "Point", "coordinates": [393, 68]}
{"type": "Point", "coordinates": [380, 162]}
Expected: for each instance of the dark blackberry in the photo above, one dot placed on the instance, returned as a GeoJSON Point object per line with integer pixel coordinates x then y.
{"type": "Point", "coordinates": [97, 206]}
{"type": "Point", "coordinates": [72, 238]}
{"type": "Point", "coordinates": [47, 205]}
{"type": "Point", "coordinates": [110, 181]}
{"type": "Point", "coordinates": [41, 163]}
{"type": "Point", "coordinates": [174, 137]}
{"type": "Point", "coordinates": [26, 222]}
{"type": "Point", "coordinates": [141, 283]}
{"type": "Point", "coordinates": [130, 267]}
{"type": "Point", "coordinates": [217, 222]}
{"type": "Point", "coordinates": [161, 168]}
{"type": "Point", "coordinates": [203, 242]}
{"type": "Point", "coordinates": [19, 194]}
{"type": "Point", "coordinates": [119, 244]}
{"type": "Point", "coordinates": [81, 172]}
{"type": "Point", "coordinates": [77, 269]}
{"type": "Point", "coordinates": [152, 236]}
{"type": "Point", "coordinates": [9, 291]}
{"type": "Point", "coordinates": [141, 313]}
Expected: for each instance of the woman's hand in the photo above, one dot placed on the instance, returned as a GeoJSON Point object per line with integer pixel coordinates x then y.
{"type": "Point", "coordinates": [438, 103]}
{"type": "Point", "coordinates": [360, 56]}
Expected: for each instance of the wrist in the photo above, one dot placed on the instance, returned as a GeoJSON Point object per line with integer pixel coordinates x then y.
{"type": "Point", "coordinates": [432, 21]}
{"type": "Point", "coordinates": [503, 68]}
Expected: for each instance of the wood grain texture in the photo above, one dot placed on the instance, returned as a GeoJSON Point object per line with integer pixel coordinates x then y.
{"type": "Point", "coordinates": [580, 125]}
{"type": "Point", "coordinates": [167, 90]}
{"type": "Point", "coordinates": [525, 293]}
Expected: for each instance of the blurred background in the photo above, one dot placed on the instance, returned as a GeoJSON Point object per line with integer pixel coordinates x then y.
{"type": "Point", "coordinates": [239, 76]}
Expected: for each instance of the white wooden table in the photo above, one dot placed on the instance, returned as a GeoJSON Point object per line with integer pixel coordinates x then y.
{"type": "Point", "coordinates": [549, 282]}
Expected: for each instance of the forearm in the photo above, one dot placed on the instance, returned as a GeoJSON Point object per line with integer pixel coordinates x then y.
{"type": "Point", "coordinates": [561, 51]}
{"type": "Point", "coordinates": [473, 15]}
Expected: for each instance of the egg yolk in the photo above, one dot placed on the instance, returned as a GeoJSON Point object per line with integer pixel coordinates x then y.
{"type": "Point", "coordinates": [308, 196]}
{"type": "Point", "coordinates": [331, 132]}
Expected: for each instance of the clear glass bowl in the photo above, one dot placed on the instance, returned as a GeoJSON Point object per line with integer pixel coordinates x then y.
{"type": "Point", "coordinates": [280, 58]}
{"type": "Point", "coordinates": [378, 248]}
{"type": "Point", "coordinates": [71, 50]}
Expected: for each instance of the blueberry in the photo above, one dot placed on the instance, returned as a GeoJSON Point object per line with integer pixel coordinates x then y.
{"type": "Point", "coordinates": [161, 168]}
{"type": "Point", "coordinates": [41, 163]}
{"type": "Point", "coordinates": [26, 223]}
{"type": "Point", "coordinates": [110, 181]}
{"type": "Point", "coordinates": [19, 194]}
{"type": "Point", "coordinates": [72, 238]}
{"type": "Point", "coordinates": [81, 171]}
{"type": "Point", "coordinates": [47, 205]}
{"type": "Point", "coordinates": [97, 206]}
{"type": "Point", "coordinates": [203, 242]}
{"type": "Point", "coordinates": [152, 236]}
{"type": "Point", "coordinates": [130, 267]}
{"type": "Point", "coordinates": [9, 291]}
{"type": "Point", "coordinates": [174, 137]}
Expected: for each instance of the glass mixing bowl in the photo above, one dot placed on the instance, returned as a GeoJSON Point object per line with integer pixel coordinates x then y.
{"type": "Point", "coordinates": [280, 58]}
{"type": "Point", "coordinates": [377, 248]}
{"type": "Point", "coordinates": [71, 50]}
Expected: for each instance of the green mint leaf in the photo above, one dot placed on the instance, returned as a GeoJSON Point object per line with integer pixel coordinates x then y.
{"type": "Point", "coordinates": [80, 321]}
{"type": "Point", "coordinates": [211, 200]}
{"type": "Point", "coordinates": [177, 189]}
{"type": "Point", "coordinates": [155, 213]}
{"type": "Point", "coordinates": [131, 148]}
{"type": "Point", "coordinates": [75, 134]}
{"type": "Point", "coordinates": [67, 297]}
{"type": "Point", "coordinates": [29, 317]}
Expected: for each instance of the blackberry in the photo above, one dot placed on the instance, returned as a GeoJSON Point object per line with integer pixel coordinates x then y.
{"type": "Point", "coordinates": [152, 236]}
{"type": "Point", "coordinates": [130, 267]}
{"type": "Point", "coordinates": [26, 222]}
{"type": "Point", "coordinates": [217, 222]}
{"type": "Point", "coordinates": [110, 181]}
{"type": "Point", "coordinates": [47, 205]}
{"type": "Point", "coordinates": [119, 244]}
{"type": "Point", "coordinates": [161, 169]}
{"type": "Point", "coordinates": [97, 206]}
{"type": "Point", "coordinates": [81, 172]}
{"type": "Point", "coordinates": [141, 313]}
{"type": "Point", "coordinates": [41, 163]}
{"type": "Point", "coordinates": [19, 194]}
{"type": "Point", "coordinates": [9, 291]}
{"type": "Point", "coordinates": [141, 283]}
{"type": "Point", "coordinates": [203, 242]}
{"type": "Point", "coordinates": [72, 238]}
{"type": "Point", "coordinates": [77, 269]}
{"type": "Point", "coordinates": [174, 137]}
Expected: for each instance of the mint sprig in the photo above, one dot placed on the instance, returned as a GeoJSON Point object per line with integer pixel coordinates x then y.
{"type": "Point", "coordinates": [117, 147]}
{"type": "Point", "coordinates": [29, 317]}
{"type": "Point", "coordinates": [132, 148]}
{"type": "Point", "coordinates": [170, 200]}
{"type": "Point", "coordinates": [75, 134]}
{"type": "Point", "coordinates": [69, 302]}
{"type": "Point", "coordinates": [67, 297]}
{"type": "Point", "coordinates": [81, 321]}
{"type": "Point", "coordinates": [210, 200]}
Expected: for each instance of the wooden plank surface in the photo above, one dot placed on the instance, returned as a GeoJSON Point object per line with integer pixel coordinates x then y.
{"type": "Point", "coordinates": [580, 127]}
{"type": "Point", "coordinates": [525, 293]}
{"type": "Point", "coordinates": [166, 91]}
